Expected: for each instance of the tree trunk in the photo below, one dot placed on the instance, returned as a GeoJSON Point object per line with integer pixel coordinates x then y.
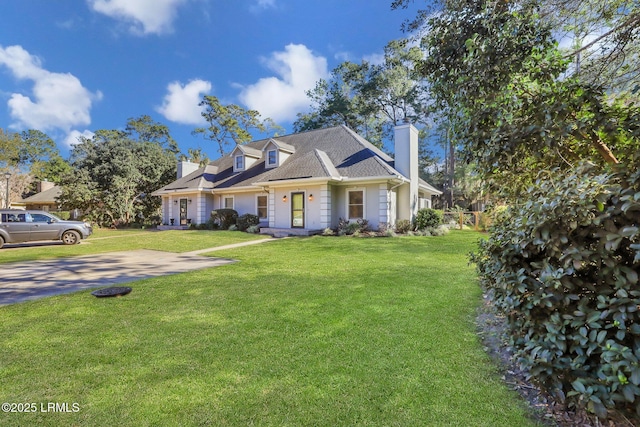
{"type": "Point", "coordinates": [602, 148]}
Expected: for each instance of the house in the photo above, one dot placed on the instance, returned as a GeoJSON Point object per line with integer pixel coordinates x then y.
{"type": "Point", "coordinates": [303, 183]}
{"type": "Point", "coordinates": [44, 199]}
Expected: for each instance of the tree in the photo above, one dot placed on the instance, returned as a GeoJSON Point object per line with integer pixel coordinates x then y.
{"type": "Point", "coordinates": [495, 72]}
{"type": "Point", "coordinates": [232, 123]}
{"type": "Point", "coordinates": [370, 98]}
{"type": "Point", "coordinates": [145, 129]}
{"type": "Point", "coordinates": [31, 153]}
{"type": "Point", "coordinates": [605, 49]}
{"type": "Point", "coordinates": [195, 155]}
{"type": "Point", "coordinates": [51, 170]}
{"type": "Point", "coordinates": [19, 183]}
{"type": "Point", "coordinates": [563, 150]}
{"type": "Point", "coordinates": [115, 174]}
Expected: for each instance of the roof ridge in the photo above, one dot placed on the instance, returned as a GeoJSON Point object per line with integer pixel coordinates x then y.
{"type": "Point", "coordinates": [326, 163]}
{"type": "Point", "coordinates": [368, 145]}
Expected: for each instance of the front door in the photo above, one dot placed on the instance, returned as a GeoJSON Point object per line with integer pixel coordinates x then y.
{"type": "Point", "coordinates": [297, 210]}
{"type": "Point", "coordinates": [183, 211]}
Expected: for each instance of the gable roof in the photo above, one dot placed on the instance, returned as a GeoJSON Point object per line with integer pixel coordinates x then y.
{"type": "Point", "coordinates": [247, 150]}
{"type": "Point", "coordinates": [46, 196]}
{"type": "Point", "coordinates": [280, 145]}
{"type": "Point", "coordinates": [333, 153]}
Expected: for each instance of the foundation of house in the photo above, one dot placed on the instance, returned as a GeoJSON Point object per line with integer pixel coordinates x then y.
{"type": "Point", "coordinates": [286, 232]}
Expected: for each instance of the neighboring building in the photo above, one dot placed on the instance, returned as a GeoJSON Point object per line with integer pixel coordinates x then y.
{"type": "Point", "coordinates": [303, 183]}
{"type": "Point", "coordinates": [45, 199]}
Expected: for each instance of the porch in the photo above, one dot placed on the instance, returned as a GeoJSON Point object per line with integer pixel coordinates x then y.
{"type": "Point", "coordinates": [172, 227]}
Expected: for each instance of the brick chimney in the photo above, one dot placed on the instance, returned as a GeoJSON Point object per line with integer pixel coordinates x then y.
{"type": "Point", "coordinates": [44, 186]}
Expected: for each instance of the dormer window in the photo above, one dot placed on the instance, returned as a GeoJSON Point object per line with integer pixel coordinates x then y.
{"type": "Point", "coordinates": [239, 163]}
{"type": "Point", "coordinates": [272, 158]}
{"type": "Point", "coordinates": [275, 153]}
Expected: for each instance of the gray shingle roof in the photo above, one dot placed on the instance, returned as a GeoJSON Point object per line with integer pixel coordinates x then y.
{"type": "Point", "coordinates": [323, 153]}
{"type": "Point", "coordinates": [46, 196]}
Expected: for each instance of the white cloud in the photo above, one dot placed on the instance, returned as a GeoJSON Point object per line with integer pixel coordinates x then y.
{"type": "Point", "coordinates": [145, 16]}
{"type": "Point", "coordinates": [282, 97]}
{"type": "Point", "coordinates": [374, 58]}
{"type": "Point", "coordinates": [59, 99]}
{"type": "Point", "coordinates": [266, 3]}
{"type": "Point", "coordinates": [73, 137]}
{"type": "Point", "coordinates": [180, 104]}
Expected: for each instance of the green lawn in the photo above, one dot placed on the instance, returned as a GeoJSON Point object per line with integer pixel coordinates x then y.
{"type": "Point", "coordinates": [302, 332]}
{"type": "Point", "coordinates": [105, 240]}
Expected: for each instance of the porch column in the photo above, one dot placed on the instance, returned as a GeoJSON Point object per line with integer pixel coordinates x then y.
{"type": "Point", "coordinates": [384, 207]}
{"type": "Point", "coordinates": [272, 208]}
{"type": "Point", "coordinates": [325, 206]}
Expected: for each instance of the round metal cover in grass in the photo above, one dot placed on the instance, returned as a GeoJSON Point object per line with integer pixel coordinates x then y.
{"type": "Point", "coordinates": [114, 291]}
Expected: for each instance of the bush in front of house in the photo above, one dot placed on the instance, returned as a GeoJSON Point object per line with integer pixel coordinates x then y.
{"type": "Point", "coordinates": [562, 265]}
{"type": "Point", "coordinates": [253, 229]}
{"type": "Point", "coordinates": [403, 226]}
{"type": "Point", "coordinates": [224, 218]}
{"type": "Point", "coordinates": [247, 220]}
{"type": "Point", "coordinates": [346, 227]}
{"type": "Point", "coordinates": [427, 218]}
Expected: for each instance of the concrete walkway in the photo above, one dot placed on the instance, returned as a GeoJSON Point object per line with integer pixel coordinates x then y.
{"type": "Point", "coordinates": [22, 281]}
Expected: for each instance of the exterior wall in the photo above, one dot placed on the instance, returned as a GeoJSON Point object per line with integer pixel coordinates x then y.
{"type": "Point", "coordinates": [372, 203]}
{"type": "Point", "coordinates": [384, 205]}
{"type": "Point", "coordinates": [406, 162]}
{"type": "Point", "coordinates": [198, 211]}
{"type": "Point", "coordinates": [325, 206]}
{"type": "Point", "coordinates": [315, 210]}
{"type": "Point", "coordinates": [404, 202]}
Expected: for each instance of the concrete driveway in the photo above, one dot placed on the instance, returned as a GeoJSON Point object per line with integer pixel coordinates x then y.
{"type": "Point", "coordinates": [22, 281]}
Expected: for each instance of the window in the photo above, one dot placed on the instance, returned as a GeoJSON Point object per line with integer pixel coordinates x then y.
{"type": "Point", "coordinates": [36, 217]}
{"type": "Point", "coordinates": [272, 158]}
{"type": "Point", "coordinates": [262, 207]}
{"type": "Point", "coordinates": [14, 218]}
{"type": "Point", "coordinates": [228, 202]}
{"type": "Point", "coordinates": [356, 204]}
{"type": "Point", "coordinates": [239, 165]}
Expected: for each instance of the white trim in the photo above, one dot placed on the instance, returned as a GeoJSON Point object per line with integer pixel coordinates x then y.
{"type": "Point", "coordinates": [266, 196]}
{"type": "Point", "coordinates": [304, 208]}
{"type": "Point", "coordinates": [272, 208]}
{"type": "Point", "coordinates": [325, 206]}
{"type": "Point", "coordinates": [223, 202]}
{"type": "Point", "coordinates": [235, 163]}
{"type": "Point", "coordinates": [268, 163]}
{"type": "Point", "coordinates": [364, 202]}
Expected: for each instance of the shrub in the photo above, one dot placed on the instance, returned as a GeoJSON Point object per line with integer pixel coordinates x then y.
{"type": "Point", "coordinates": [563, 266]}
{"type": "Point", "coordinates": [440, 230]}
{"type": "Point", "coordinates": [403, 226]}
{"type": "Point", "coordinates": [426, 218]}
{"type": "Point", "coordinates": [363, 225]}
{"type": "Point", "coordinates": [343, 224]}
{"type": "Point", "coordinates": [233, 227]}
{"type": "Point", "coordinates": [247, 220]}
{"type": "Point", "coordinates": [253, 229]}
{"type": "Point", "coordinates": [328, 232]}
{"type": "Point", "coordinates": [224, 218]}
{"type": "Point", "coordinates": [352, 228]}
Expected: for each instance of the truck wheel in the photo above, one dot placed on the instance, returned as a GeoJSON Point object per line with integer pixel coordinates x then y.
{"type": "Point", "coordinates": [70, 237]}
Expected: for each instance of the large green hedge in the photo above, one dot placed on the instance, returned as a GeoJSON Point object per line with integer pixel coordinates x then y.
{"type": "Point", "coordinates": [563, 267]}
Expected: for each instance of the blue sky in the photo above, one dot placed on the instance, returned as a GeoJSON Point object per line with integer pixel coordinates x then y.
{"type": "Point", "coordinates": [71, 67]}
